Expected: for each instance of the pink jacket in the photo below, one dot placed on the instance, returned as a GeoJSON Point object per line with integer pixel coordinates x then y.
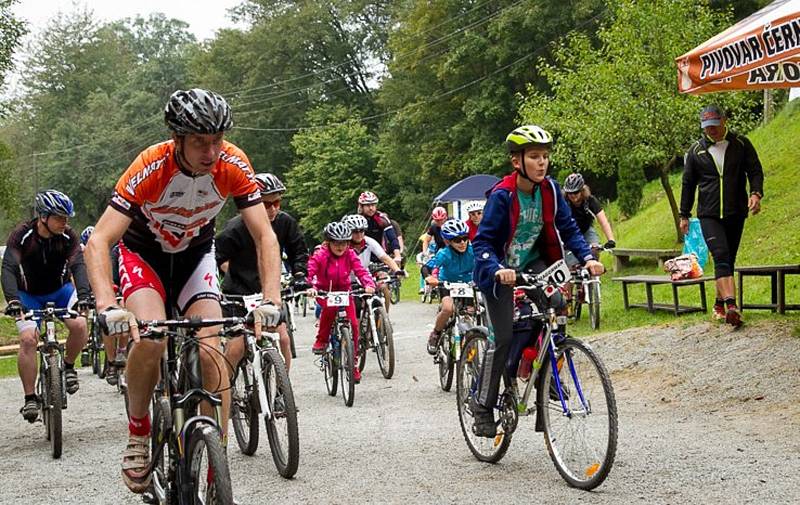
{"type": "Point", "coordinates": [330, 273]}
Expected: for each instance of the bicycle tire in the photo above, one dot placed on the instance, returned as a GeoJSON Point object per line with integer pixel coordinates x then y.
{"type": "Point", "coordinates": [331, 373]}
{"type": "Point", "coordinates": [305, 305]}
{"type": "Point", "coordinates": [54, 404]}
{"type": "Point", "coordinates": [363, 341]}
{"type": "Point", "coordinates": [385, 350]}
{"type": "Point", "coordinates": [286, 456]}
{"type": "Point", "coordinates": [588, 470]}
{"type": "Point", "coordinates": [159, 434]}
{"type": "Point", "coordinates": [289, 318]}
{"type": "Point", "coordinates": [446, 364]}
{"type": "Point", "coordinates": [395, 294]}
{"type": "Point", "coordinates": [205, 439]}
{"type": "Point", "coordinates": [347, 367]}
{"type": "Point", "coordinates": [244, 414]}
{"type": "Point", "coordinates": [594, 306]}
{"type": "Point", "coordinates": [488, 450]}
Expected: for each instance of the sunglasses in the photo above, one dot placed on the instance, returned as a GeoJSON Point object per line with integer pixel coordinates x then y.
{"type": "Point", "coordinates": [275, 203]}
{"type": "Point", "coordinates": [459, 240]}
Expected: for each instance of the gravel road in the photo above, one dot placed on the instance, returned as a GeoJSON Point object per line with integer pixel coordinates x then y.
{"type": "Point", "coordinates": [697, 425]}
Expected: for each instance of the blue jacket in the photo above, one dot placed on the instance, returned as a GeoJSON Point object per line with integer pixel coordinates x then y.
{"type": "Point", "coordinates": [453, 266]}
{"type": "Point", "coordinates": [499, 223]}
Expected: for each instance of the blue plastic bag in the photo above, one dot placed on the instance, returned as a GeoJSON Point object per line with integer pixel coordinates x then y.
{"type": "Point", "coordinates": [694, 242]}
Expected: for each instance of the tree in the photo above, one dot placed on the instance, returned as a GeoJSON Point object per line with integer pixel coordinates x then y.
{"type": "Point", "coordinates": [11, 32]}
{"type": "Point", "coordinates": [334, 164]}
{"type": "Point", "coordinates": [615, 107]}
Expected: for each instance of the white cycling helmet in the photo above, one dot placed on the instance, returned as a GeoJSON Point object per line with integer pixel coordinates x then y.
{"type": "Point", "coordinates": [453, 228]}
{"type": "Point", "coordinates": [474, 206]}
{"type": "Point", "coordinates": [338, 231]}
{"type": "Point", "coordinates": [355, 221]}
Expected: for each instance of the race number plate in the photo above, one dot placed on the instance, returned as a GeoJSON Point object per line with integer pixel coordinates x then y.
{"type": "Point", "coordinates": [459, 289]}
{"type": "Point", "coordinates": [555, 276]}
{"type": "Point", "coordinates": [252, 301]}
{"type": "Point", "coordinates": [338, 299]}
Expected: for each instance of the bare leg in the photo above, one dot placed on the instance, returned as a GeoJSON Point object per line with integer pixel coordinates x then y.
{"type": "Point", "coordinates": [78, 336]}
{"type": "Point", "coordinates": [145, 357]}
{"type": "Point", "coordinates": [26, 359]}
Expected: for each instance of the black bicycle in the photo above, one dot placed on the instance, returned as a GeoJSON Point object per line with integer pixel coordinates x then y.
{"type": "Point", "coordinates": [189, 465]}
{"type": "Point", "coordinates": [50, 387]}
{"type": "Point", "coordinates": [92, 353]}
{"type": "Point", "coordinates": [338, 360]}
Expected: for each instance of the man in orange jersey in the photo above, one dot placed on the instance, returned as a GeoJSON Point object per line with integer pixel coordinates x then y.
{"type": "Point", "coordinates": [162, 214]}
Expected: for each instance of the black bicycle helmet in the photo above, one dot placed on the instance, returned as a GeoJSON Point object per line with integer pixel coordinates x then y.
{"type": "Point", "coordinates": [197, 111]}
{"type": "Point", "coordinates": [269, 184]}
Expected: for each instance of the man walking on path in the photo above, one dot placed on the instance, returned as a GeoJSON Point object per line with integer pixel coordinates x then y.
{"type": "Point", "coordinates": [719, 167]}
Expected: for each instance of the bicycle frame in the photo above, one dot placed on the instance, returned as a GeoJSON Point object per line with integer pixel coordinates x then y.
{"type": "Point", "coordinates": [460, 311]}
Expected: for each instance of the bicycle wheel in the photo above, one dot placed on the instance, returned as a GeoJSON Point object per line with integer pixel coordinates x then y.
{"type": "Point", "coordinates": [364, 338]}
{"type": "Point", "coordinates": [582, 442]}
{"type": "Point", "coordinates": [331, 373]}
{"type": "Point", "coordinates": [594, 305]}
{"type": "Point", "coordinates": [284, 441]}
{"type": "Point", "coordinates": [489, 450]}
{"type": "Point", "coordinates": [304, 303]}
{"type": "Point", "coordinates": [444, 357]}
{"type": "Point", "coordinates": [159, 447]}
{"type": "Point", "coordinates": [385, 350]}
{"type": "Point", "coordinates": [54, 404]}
{"type": "Point", "coordinates": [208, 476]}
{"type": "Point", "coordinates": [244, 414]}
{"type": "Point", "coordinates": [289, 318]}
{"type": "Point", "coordinates": [347, 367]}
{"type": "Point", "coordinates": [395, 299]}
{"type": "Point", "coordinates": [96, 344]}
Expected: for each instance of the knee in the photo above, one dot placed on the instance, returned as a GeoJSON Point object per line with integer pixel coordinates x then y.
{"type": "Point", "coordinates": [27, 341]}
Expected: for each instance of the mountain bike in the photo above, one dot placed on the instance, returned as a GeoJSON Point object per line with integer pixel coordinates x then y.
{"type": "Point", "coordinates": [375, 331]}
{"type": "Point", "coordinates": [338, 361]}
{"type": "Point", "coordinates": [467, 312]}
{"type": "Point", "coordinates": [287, 296]}
{"type": "Point", "coordinates": [189, 464]}
{"type": "Point", "coordinates": [585, 291]}
{"type": "Point", "coordinates": [575, 405]}
{"type": "Point", "coordinates": [50, 386]}
{"type": "Point", "coordinates": [262, 390]}
{"type": "Point", "coordinates": [91, 354]}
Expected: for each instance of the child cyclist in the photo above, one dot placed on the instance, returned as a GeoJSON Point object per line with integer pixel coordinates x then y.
{"type": "Point", "coordinates": [329, 269]}
{"type": "Point", "coordinates": [455, 262]}
{"type": "Point", "coordinates": [525, 222]}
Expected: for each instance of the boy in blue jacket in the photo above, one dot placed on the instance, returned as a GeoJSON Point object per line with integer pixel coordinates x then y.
{"type": "Point", "coordinates": [526, 224]}
{"type": "Point", "coordinates": [455, 262]}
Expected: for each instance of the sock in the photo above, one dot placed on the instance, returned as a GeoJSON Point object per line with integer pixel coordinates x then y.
{"type": "Point", "coordinates": [730, 302]}
{"type": "Point", "coordinates": [139, 426]}
{"type": "Point", "coordinates": [68, 366]}
{"type": "Point", "coordinates": [30, 397]}
{"type": "Point", "coordinates": [719, 302]}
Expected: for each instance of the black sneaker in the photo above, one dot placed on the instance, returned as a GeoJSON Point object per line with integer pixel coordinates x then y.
{"type": "Point", "coordinates": [112, 375]}
{"type": "Point", "coordinates": [30, 411]}
{"type": "Point", "coordinates": [483, 420]}
{"type": "Point", "coordinates": [71, 380]}
{"type": "Point", "coordinates": [433, 342]}
{"type": "Point", "coordinates": [554, 392]}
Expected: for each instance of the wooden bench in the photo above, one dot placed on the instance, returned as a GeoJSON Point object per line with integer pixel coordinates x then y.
{"type": "Point", "coordinates": [777, 274]}
{"type": "Point", "coordinates": [622, 255]}
{"type": "Point", "coordinates": [651, 280]}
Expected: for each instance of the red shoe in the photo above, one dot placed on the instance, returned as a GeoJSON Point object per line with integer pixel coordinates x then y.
{"type": "Point", "coordinates": [733, 317]}
{"type": "Point", "coordinates": [319, 347]}
{"type": "Point", "coordinates": [356, 374]}
{"type": "Point", "coordinates": [719, 313]}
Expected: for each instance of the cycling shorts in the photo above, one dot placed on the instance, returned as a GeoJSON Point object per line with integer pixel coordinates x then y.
{"type": "Point", "coordinates": [64, 298]}
{"type": "Point", "coordinates": [179, 278]}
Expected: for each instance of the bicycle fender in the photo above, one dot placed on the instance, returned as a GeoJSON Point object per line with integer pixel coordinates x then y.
{"type": "Point", "coordinates": [480, 330]}
{"type": "Point", "coordinates": [189, 426]}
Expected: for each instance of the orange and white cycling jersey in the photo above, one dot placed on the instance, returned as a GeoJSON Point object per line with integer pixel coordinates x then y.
{"type": "Point", "coordinates": [173, 210]}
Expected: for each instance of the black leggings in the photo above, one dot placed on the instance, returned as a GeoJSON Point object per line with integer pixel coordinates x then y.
{"type": "Point", "coordinates": [723, 237]}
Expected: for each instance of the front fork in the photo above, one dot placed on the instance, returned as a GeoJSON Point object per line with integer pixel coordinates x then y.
{"type": "Point", "coordinates": [261, 388]}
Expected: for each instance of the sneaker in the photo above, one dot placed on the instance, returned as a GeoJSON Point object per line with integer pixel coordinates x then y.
{"type": "Point", "coordinates": [112, 375]}
{"type": "Point", "coordinates": [356, 375]}
{"type": "Point", "coordinates": [136, 464]}
{"type": "Point", "coordinates": [319, 347]}
{"type": "Point", "coordinates": [719, 313]}
{"type": "Point", "coordinates": [733, 317]}
{"type": "Point", "coordinates": [421, 292]}
{"type": "Point", "coordinates": [483, 420]}
{"type": "Point", "coordinates": [71, 380]}
{"type": "Point", "coordinates": [433, 342]}
{"type": "Point", "coordinates": [30, 411]}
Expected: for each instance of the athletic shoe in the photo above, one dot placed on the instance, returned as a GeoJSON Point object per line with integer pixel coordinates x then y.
{"type": "Point", "coordinates": [483, 420]}
{"type": "Point", "coordinates": [719, 313]}
{"type": "Point", "coordinates": [433, 342]}
{"type": "Point", "coordinates": [733, 317]}
{"type": "Point", "coordinates": [30, 411]}
{"type": "Point", "coordinates": [319, 347]}
{"type": "Point", "coordinates": [136, 463]}
{"type": "Point", "coordinates": [71, 381]}
{"type": "Point", "coordinates": [356, 374]}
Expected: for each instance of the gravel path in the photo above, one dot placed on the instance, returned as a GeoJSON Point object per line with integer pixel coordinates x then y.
{"type": "Point", "coordinates": [697, 425]}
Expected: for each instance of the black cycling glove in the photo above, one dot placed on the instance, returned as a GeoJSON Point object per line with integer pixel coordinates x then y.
{"type": "Point", "coordinates": [610, 245]}
{"type": "Point", "coordinates": [14, 308]}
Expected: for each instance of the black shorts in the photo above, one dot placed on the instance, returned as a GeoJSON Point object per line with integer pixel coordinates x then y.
{"type": "Point", "coordinates": [723, 237]}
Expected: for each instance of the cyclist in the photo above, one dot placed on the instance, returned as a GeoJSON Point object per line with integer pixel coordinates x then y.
{"type": "Point", "coordinates": [236, 256]}
{"type": "Point", "coordinates": [115, 363]}
{"type": "Point", "coordinates": [434, 232]}
{"type": "Point", "coordinates": [163, 210]}
{"type": "Point", "coordinates": [525, 221]}
{"type": "Point", "coordinates": [585, 208]}
{"type": "Point", "coordinates": [379, 224]}
{"type": "Point", "coordinates": [455, 262]}
{"type": "Point", "coordinates": [329, 268]}
{"type": "Point", "coordinates": [369, 251]}
{"type": "Point", "coordinates": [40, 256]}
{"type": "Point", "coordinates": [475, 212]}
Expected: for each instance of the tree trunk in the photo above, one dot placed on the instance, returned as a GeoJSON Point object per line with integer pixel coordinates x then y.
{"type": "Point", "coordinates": [673, 205]}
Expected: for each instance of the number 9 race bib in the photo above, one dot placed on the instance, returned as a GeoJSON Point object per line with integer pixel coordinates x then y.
{"type": "Point", "coordinates": [338, 299]}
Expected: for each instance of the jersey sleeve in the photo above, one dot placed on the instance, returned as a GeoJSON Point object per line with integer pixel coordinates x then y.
{"type": "Point", "coordinates": [239, 177]}
{"type": "Point", "coordinates": [594, 205]}
{"type": "Point", "coordinates": [139, 181]}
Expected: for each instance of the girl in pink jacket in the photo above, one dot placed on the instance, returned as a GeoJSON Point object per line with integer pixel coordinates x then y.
{"type": "Point", "coordinates": [329, 270]}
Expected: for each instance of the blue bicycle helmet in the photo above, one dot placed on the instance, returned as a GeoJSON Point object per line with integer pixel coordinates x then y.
{"type": "Point", "coordinates": [453, 228]}
{"type": "Point", "coordinates": [54, 203]}
{"type": "Point", "coordinates": [86, 233]}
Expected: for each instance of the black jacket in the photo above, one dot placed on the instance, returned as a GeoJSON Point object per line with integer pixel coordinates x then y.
{"type": "Point", "coordinates": [700, 172]}
{"type": "Point", "coordinates": [235, 245]}
{"type": "Point", "coordinates": [39, 266]}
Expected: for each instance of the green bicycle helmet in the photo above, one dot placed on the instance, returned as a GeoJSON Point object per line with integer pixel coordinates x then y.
{"type": "Point", "coordinates": [528, 136]}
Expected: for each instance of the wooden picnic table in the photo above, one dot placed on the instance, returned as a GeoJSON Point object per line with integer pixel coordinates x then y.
{"type": "Point", "coordinates": [777, 274]}
{"type": "Point", "coordinates": [652, 280]}
{"type": "Point", "coordinates": [622, 255]}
